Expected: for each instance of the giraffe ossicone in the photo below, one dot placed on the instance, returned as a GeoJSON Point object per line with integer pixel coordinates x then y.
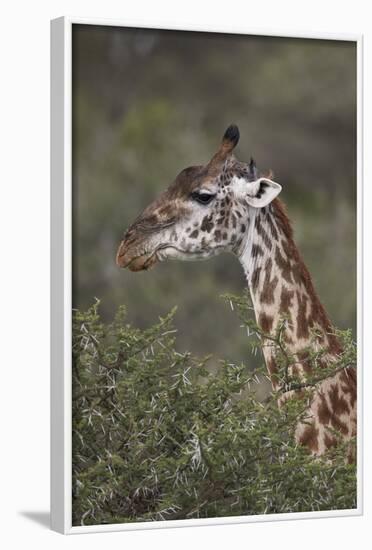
{"type": "Point", "coordinates": [224, 206]}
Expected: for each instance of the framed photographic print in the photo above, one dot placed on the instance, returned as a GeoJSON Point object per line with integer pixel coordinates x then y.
{"type": "Point", "coordinates": [222, 390]}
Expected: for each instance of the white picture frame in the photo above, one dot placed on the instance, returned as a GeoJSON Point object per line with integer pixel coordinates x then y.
{"type": "Point", "coordinates": [61, 286]}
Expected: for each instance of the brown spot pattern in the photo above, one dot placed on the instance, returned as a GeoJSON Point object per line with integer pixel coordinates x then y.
{"type": "Point", "coordinates": [256, 251]}
{"type": "Point", "coordinates": [324, 413]}
{"type": "Point", "coordinates": [328, 417]}
{"type": "Point", "coordinates": [288, 340]}
{"type": "Point", "coordinates": [269, 286]}
{"type": "Point", "coordinates": [309, 438]}
{"type": "Point", "coordinates": [256, 277]}
{"type": "Point", "coordinates": [286, 300]}
{"type": "Point", "coordinates": [329, 440]}
{"type": "Point", "coordinates": [284, 265]}
{"type": "Point", "coordinates": [264, 236]}
{"type": "Point", "coordinates": [266, 322]}
{"type": "Point", "coordinates": [349, 384]}
{"type": "Point", "coordinates": [338, 402]}
{"type": "Point", "coordinates": [207, 224]}
{"type": "Point", "coordinates": [217, 235]}
{"type": "Point", "coordinates": [272, 227]}
{"type": "Point", "coordinates": [302, 323]}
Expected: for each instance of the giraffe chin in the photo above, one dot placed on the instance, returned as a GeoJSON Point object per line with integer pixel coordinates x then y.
{"type": "Point", "coordinates": [142, 263]}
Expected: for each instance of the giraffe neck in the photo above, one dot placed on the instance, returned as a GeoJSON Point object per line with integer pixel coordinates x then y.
{"type": "Point", "coordinates": [281, 287]}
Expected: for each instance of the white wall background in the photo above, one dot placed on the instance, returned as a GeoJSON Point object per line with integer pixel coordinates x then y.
{"type": "Point", "coordinates": [24, 357]}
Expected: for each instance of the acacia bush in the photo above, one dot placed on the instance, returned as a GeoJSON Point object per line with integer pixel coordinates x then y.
{"type": "Point", "coordinates": [157, 435]}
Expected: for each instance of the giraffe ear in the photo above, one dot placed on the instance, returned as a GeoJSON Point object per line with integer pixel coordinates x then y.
{"type": "Point", "coordinates": [261, 192]}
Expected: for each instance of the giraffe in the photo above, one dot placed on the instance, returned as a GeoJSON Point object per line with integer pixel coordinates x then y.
{"type": "Point", "coordinates": [225, 206]}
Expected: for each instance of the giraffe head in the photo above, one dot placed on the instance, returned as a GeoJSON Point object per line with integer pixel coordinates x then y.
{"type": "Point", "coordinates": [206, 210]}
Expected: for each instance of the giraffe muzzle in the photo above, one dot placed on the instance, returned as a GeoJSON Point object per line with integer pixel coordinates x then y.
{"type": "Point", "coordinates": [134, 262]}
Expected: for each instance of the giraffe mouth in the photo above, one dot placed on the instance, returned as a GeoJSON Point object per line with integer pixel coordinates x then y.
{"type": "Point", "coordinates": [147, 260]}
{"type": "Point", "coordinates": [140, 262]}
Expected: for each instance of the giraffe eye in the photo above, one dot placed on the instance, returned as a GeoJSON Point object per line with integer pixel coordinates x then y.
{"type": "Point", "coordinates": [202, 198]}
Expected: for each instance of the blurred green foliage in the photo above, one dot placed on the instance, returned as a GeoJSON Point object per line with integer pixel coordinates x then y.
{"type": "Point", "coordinates": [157, 436]}
{"type": "Point", "coordinates": [147, 103]}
